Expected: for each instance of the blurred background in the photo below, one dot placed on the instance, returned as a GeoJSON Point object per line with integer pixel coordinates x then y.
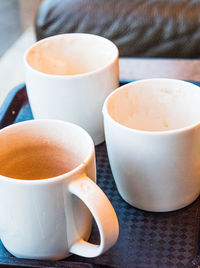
{"type": "Point", "coordinates": [148, 33]}
{"type": "Point", "coordinates": [15, 17]}
{"type": "Point", "coordinates": [16, 35]}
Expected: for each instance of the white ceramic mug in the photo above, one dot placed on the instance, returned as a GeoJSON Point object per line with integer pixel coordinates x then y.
{"type": "Point", "coordinates": [43, 217]}
{"type": "Point", "coordinates": [152, 130]}
{"type": "Point", "coordinates": [69, 76]}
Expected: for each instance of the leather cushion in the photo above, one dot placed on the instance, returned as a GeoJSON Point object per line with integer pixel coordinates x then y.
{"type": "Point", "coordinates": [150, 28]}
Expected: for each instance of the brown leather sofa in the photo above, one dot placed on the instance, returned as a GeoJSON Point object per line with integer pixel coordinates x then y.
{"type": "Point", "coordinates": [140, 28]}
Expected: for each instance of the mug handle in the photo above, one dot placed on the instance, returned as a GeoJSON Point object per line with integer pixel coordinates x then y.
{"type": "Point", "coordinates": [103, 213]}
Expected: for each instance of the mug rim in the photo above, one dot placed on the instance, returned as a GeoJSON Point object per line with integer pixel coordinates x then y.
{"type": "Point", "coordinates": [59, 177]}
{"type": "Point", "coordinates": [82, 75]}
{"type": "Point", "coordinates": [147, 132]}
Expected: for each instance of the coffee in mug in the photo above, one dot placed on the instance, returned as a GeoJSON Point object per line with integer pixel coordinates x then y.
{"type": "Point", "coordinates": [37, 161]}
{"type": "Point", "coordinates": [48, 194]}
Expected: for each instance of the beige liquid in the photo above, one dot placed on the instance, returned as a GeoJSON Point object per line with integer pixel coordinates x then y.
{"type": "Point", "coordinates": [37, 162]}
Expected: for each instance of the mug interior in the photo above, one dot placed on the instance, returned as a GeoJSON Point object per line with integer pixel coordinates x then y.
{"type": "Point", "coordinates": [42, 149]}
{"type": "Point", "coordinates": [155, 105]}
{"type": "Point", "coordinates": [71, 54]}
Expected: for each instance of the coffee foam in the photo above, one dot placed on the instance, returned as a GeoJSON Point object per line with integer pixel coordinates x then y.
{"type": "Point", "coordinates": [155, 109]}
{"type": "Point", "coordinates": [70, 55]}
{"type": "Point", "coordinates": [36, 162]}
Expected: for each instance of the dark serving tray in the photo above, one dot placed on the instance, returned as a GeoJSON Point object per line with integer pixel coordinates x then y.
{"type": "Point", "coordinates": [146, 239]}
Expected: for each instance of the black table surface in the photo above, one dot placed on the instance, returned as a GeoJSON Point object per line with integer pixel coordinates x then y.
{"type": "Point", "coordinates": [146, 239]}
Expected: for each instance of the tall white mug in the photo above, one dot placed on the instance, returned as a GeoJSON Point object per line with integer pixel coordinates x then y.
{"type": "Point", "coordinates": [48, 194]}
{"type": "Point", "coordinates": [152, 130]}
{"type": "Point", "coordinates": [69, 76]}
